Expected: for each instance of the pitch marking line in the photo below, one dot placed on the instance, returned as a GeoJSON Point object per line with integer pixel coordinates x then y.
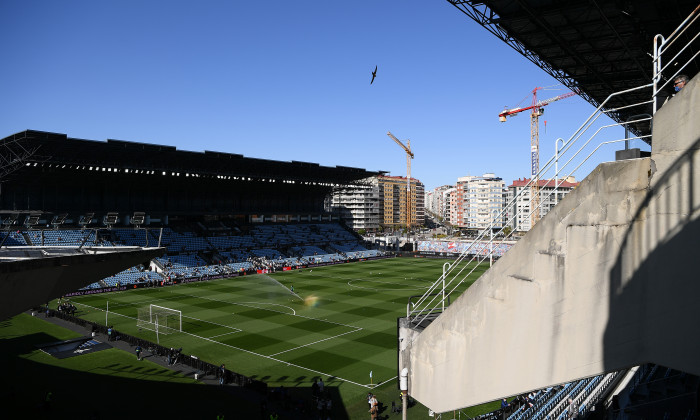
{"type": "Point", "coordinates": [271, 310]}
{"type": "Point", "coordinates": [267, 303]}
{"type": "Point", "coordinates": [350, 283]}
{"type": "Point", "coordinates": [372, 386]}
{"type": "Point", "coordinates": [261, 355]}
{"type": "Point", "coordinates": [379, 281]}
{"type": "Point", "coordinates": [214, 323]}
{"type": "Point", "coordinates": [315, 342]}
{"type": "Point", "coordinates": [234, 332]}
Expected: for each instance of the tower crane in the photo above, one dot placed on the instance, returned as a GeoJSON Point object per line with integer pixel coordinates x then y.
{"type": "Point", "coordinates": [409, 156]}
{"type": "Point", "coordinates": [537, 109]}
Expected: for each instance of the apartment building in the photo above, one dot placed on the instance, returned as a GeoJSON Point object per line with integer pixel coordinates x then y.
{"type": "Point", "coordinates": [393, 201]}
{"type": "Point", "coordinates": [518, 212]}
{"type": "Point", "coordinates": [358, 205]}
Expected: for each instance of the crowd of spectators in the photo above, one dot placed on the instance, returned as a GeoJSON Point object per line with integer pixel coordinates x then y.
{"type": "Point", "coordinates": [67, 307]}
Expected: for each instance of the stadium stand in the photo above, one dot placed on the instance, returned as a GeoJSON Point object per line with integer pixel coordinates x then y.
{"type": "Point", "coordinates": [651, 389]}
{"type": "Point", "coordinates": [659, 392]}
{"type": "Point", "coordinates": [15, 239]}
{"type": "Point", "coordinates": [201, 250]}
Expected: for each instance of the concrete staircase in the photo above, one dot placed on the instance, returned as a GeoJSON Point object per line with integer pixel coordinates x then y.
{"type": "Point", "coordinates": [606, 281]}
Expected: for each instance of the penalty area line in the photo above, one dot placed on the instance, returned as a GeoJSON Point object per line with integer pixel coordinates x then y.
{"type": "Point", "coordinates": [318, 341]}
{"type": "Point", "coordinates": [252, 305]}
{"type": "Point", "coordinates": [219, 335]}
{"type": "Point", "coordinates": [372, 386]}
{"type": "Point", "coordinates": [254, 353]}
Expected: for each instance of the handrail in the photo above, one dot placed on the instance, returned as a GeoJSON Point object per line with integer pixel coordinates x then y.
{"type": "Point", "coordinates": [424, 307]}
{"type": "Point", "coordinates": [454, 275]}
{"type": "Point", "coordinates": [661, 45]}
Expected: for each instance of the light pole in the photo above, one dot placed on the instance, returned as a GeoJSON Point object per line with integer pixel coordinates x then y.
{"type": "Point", "coordinates": [403, 384]}
{"type": "Point", "coordinates": [491, 241]}
{"type": "Point", "coordinates": [445, 268]}
{"type": "Point", "coordinates": [556, 169]}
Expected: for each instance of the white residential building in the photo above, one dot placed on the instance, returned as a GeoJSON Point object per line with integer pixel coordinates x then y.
{"type": "Point", "coordinates": [358, 205]}
{"type": "Point", "coordinates": [518, 213]}
{"type": "Point", "coordinates": [482, 201]}
{"type": "Point", "coordinates": [436, 199]}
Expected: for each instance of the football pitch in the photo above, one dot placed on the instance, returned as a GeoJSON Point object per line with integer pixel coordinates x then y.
{"type": "Point", "coordinates": [339, 324]}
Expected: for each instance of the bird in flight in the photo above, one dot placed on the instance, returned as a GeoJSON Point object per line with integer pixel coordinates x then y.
{"type": "Point", "coordinates": [374, 74]}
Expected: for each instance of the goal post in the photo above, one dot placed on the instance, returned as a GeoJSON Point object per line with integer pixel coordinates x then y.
{"type": "Point", "coordinates": [160, 319]}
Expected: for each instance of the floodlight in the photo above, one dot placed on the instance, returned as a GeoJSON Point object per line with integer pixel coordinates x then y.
{"type": "Point", "coordinates": [86, 219]}
{"type": "Point", "coordinates": [58, 220]}
{"type": "Point", "coordinates": [32, 220]}
{"type": "Point", "coordinates": [138, 218]}
{"type": "Point", "coordinates": [110, 219]}
{"type": "Point", "coordinates": [11, 220]}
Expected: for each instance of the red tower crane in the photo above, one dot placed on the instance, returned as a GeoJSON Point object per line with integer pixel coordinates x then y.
{"type": "Point", "coordinates": [537, 110]}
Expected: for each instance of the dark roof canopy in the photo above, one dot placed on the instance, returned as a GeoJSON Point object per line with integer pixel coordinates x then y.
{"type": "Point", "coordinates": [594, 47]}
{"type": "Point", "coordinates": [59, 149]}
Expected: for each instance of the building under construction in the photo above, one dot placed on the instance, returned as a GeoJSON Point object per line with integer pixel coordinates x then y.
{"type": "Point", "coordinates": [393, 202]}
{"type": "Point", "coordinates": [379, 202]}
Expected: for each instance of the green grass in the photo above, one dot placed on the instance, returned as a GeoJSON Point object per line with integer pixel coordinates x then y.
{"type": "Point", "coordinates": [109, 384]}
{"type": "Point", "coordinates": [340, 326]}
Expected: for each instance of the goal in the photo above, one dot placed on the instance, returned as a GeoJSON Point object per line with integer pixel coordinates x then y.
{"type": "Point", "coordinates": [159, 319]}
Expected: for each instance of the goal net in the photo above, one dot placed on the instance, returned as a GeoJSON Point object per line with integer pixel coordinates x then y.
{"type": "Point", "coordinates": [159, 319]}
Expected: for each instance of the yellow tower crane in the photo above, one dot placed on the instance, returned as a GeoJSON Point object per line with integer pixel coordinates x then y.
{"type": "Point", "coordinates": [409, 156]}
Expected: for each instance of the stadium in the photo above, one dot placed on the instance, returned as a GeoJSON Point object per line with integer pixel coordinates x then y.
{"type": "Point", "coordinates": [142, 280]}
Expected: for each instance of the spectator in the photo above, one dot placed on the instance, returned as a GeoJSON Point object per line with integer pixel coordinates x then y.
{"type": "Point", "coordinates": [314, 388]}
{"type": "Point", "coordinates": [374, 407]}
{"type": "Point", "coordinates": [320, 406]}
{"type": "Point", "coordinates": [679, 82]}
{"type": "Point", "coordinates": [572, 410]}
{"type": "Point", "coordinates": [222, 373]}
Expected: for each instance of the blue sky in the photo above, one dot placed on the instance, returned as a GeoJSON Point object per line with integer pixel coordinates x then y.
{"type": "Point", "coordinates": [281, 80]}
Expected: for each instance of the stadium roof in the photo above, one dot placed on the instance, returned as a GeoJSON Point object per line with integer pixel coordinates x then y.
{"type": "Point", "coordinates": [59, 149]}
{"type": "Point", "coordinates": [594, 47]}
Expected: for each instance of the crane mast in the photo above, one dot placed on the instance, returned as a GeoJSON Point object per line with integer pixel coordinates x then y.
{"type": "Point", "coordinates": [537, 109]}
{"type": "Point", "coordinates": [409, 156]}
{"type": "Point", "coordinates": [535, 159]}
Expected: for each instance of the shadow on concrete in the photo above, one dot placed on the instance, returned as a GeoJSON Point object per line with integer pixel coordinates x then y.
{"type": "Point", "coordinates": [655, 281]}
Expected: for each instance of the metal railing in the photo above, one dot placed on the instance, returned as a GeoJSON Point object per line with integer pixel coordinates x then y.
{"type": "Point", "coordinates": [679, 51]}
{"type": "Point", "coordinates": [573, 152]}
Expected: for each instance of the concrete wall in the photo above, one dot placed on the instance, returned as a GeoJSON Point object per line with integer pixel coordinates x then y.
{"type": "Point", "coordinates": [607, 280]}
{"type": "Point", "coordinates": [35, 281]}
